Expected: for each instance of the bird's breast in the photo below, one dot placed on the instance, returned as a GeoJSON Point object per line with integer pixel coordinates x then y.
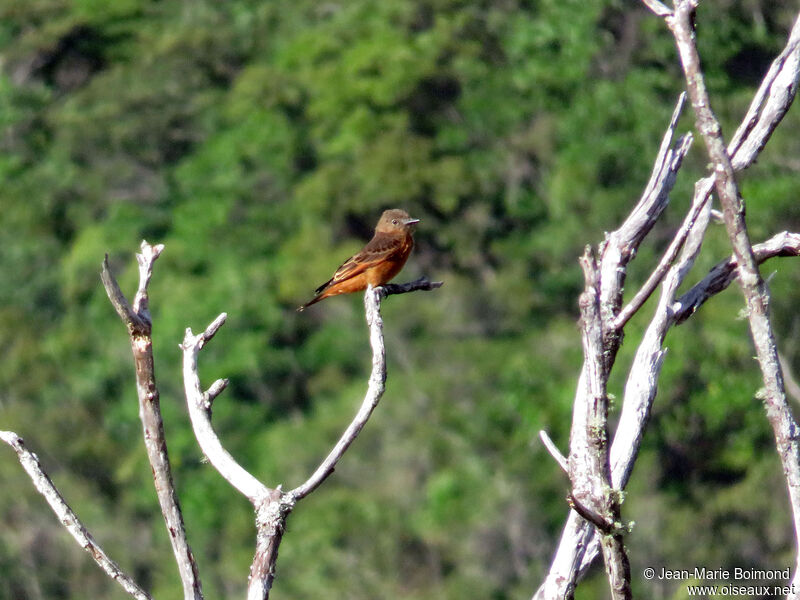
{"type": "Point", "coordinates": [385, 270]}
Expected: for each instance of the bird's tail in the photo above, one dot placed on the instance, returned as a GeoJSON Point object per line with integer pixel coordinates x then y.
{"type": "Point", "coordinates": [310, 302]}
{"type": "Point", "coordinates": [320, 294]}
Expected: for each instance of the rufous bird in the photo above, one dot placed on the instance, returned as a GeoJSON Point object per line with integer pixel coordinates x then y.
{"type": "Point", "coordinates": [377, 263]}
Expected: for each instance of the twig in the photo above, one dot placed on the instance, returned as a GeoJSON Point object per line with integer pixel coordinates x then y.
{"type": "Point", "coordinates": [587, 513]}
{"type": "Point", "coordinates": [658, 8]}
{"type": "Point", "coordinates": [792, 387]}
{"type": "Point", "coordinates": [134, 323]}
{"type": "Point", "coordinates": [146, 259]}
{"type": "Point", "coordinates": [68, 518]}
{"type": "Point", "coordinates": [664, 157]}
{"type": "Point", "coordinates": [553, 450]}
{"type": "Point", "coordinates": [723, 273]}
{"type": "Point", "coordinates": [139, 324]}
{"type": "Point", "coordinates": [769, 105]}
{"type": "Point", "coordinates": [412, 286]}
{"type": "Point", "coordinates": [663, 266]}
{"type": "Point", "coordinates": [213, 391]}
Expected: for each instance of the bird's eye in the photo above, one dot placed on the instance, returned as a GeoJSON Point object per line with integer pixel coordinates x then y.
{"type": "Point", "coordinates": [394, 221]}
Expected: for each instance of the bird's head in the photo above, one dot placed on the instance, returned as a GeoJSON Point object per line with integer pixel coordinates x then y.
{"type": "Point", "coordinates": [396, 220]}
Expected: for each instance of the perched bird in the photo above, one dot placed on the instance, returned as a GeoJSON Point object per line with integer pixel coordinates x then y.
{"type": "Point", "coordinates": [376, 264]}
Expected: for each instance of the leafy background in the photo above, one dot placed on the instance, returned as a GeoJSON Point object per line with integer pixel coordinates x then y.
{"type": "Point", "coordinates": [259, 142]}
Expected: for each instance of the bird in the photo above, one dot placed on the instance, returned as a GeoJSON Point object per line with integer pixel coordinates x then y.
{"type": "Point", "coordinates": [377, 263]}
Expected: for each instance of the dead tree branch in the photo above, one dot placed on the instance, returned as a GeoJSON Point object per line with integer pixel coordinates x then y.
{"type": "Point", "coordinates": [615, 252]}
{"type": "Point", "coordinates": [754, 289]}
{"type": "Point", "coordinates": [377, 379]}
{"type": "Point", "coordinates": [200, 416]}
{"type": "Point", "coordinates": [68, 518]}
{"type": "Point", "coordinates": [422, 283]}
{"type": "Point", "coordinates": [723, 273]}
{"type": "Point", "coordinates": [554, 451]}
{"type": "Point", "coordinates": [375, 389]}
{"type": "Point", "coordinates": [139, 324]}
{"type": "Point", "coordinates": [641, 387]}
{"type": "Point", "coordinates": [588, 458]}
{"type": "Point", "coordinates": [273, 505]}
{"type": "Point", "coordinates": [642, 382]}
{"type": "Point", "coordinates": [577, 546]}
{"type": "Point", "coordinates": [769, 105]}
{"type": "Point", "coordinates": [620, 246]}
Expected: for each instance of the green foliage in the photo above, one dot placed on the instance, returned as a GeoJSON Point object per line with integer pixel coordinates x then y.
{"type": "Point", "coordinates": [259, 142]}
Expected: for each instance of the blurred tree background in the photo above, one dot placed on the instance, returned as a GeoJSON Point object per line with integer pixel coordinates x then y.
{"type": "Point", "coordinates": [259, 142]}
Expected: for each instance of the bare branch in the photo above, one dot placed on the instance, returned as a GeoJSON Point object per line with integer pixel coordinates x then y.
{"type": "Point", "coordinates": [663, 266]}
{"type": "Point", "coordinates": [627, 238]}
{"type": "Point", "coordinates": [196, 399]}
{"type": "Point", "coordinates": [590, 417]}
{"type": "Point", "coordinates": [145, 259]}
{"type": "Point", "coordinates": [642, 383]}
{"type": "Point", "coordinates": [139, 324]}
{"type": "Point", "coordinates": [658, 8]}
{"type": "Point", "coordinates": [616, 251]}
{"type": "Point", "coordinates": [554, 451]}
{"type": "Point", "coordinates": [68, 518]}
{"type": "Point", "coordinates": [792, 387]}
{"type": "Point", "coordinates": [575, 549]}
{"type": "Point", "coordinates": [133, 321]}
{"type": "Point", "coordinates": [212, 329]}
{"type": "Point", "coordinates": [273, 505]}
{"type": "Point", "coordinates": [621, 245]}
{"type": "Point", "coordinates": [664, 156]}
{"type": "Point", "coordinates": [724, 272]}
{"type": "Point", "coordinates": [587, 513]}
{"type": "Point", "coordinates": [640, 389]}
{"type": "Point", "coordinates": [412, 286]}
{"type": "Point", "coordinates": [215, 390]}
{"type": "Point", "coordinates": [589, 471]}
{"type": "Point", "coordinates": [375, 388]}
{"type": "Point", "coordinates": [769, 105]}
{"type": "Point", "coordinates": [753, 287]}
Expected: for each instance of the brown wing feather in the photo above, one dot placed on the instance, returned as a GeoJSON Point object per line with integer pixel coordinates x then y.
{"type": "Point", "coordinates": [378, 249]}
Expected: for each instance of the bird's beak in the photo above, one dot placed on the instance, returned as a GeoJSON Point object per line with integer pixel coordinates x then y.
{"type": "Point", "coordinates": [411, 221]}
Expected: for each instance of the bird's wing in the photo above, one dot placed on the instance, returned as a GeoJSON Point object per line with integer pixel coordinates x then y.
{"type": "Point", "coordinates": [379, 248]}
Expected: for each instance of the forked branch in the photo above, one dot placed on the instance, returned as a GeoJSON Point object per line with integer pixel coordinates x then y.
{"type": "Point", "coordinates": [273, 505]}
{"type": "Point", "coordinates": [139, 324]}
